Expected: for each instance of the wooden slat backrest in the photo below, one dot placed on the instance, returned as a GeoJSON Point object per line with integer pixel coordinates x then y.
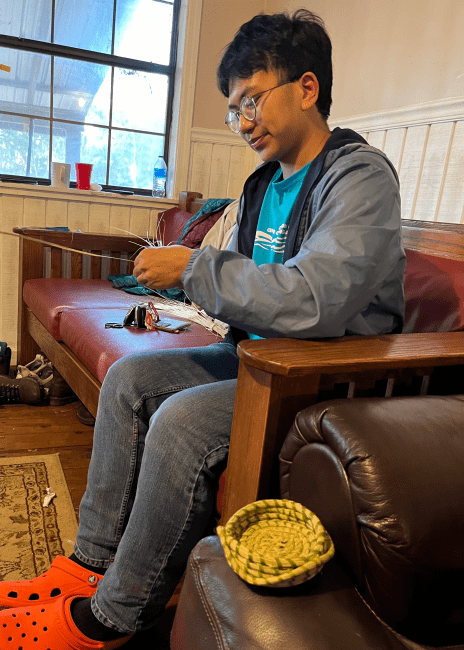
{"type": "Point", "coordinates": [59, 263]}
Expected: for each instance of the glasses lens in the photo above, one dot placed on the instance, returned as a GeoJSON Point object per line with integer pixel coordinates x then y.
{"type": "Point", "coordinates": [248, 108]}
{"type": "Point", "coordinates": [233, 121]}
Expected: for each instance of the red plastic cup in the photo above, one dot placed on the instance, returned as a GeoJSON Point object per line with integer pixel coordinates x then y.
{"type": "Point", "coordinates": [83, 173]}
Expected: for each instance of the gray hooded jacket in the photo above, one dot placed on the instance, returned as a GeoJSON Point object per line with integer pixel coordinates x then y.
{"type": "Point", "coordinates": [344, 261]}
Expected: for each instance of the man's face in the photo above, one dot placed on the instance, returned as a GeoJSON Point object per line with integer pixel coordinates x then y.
{"type": "Point", "coordinates": [279, 130]}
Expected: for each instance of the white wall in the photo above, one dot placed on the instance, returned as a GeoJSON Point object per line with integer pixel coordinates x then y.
{"type": "Point", "coordinates": [389, 54]}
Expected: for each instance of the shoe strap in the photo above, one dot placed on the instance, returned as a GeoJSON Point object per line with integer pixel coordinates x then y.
{"type": "Point", "coordinates": [74, 569]}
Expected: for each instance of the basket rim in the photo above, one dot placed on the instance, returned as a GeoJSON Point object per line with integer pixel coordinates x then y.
{"type": "Point", "coordinates": [258, 569]}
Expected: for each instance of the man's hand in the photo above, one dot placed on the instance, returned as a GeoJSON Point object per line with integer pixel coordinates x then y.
{"type": "Point", "coordinates": [162, 268]}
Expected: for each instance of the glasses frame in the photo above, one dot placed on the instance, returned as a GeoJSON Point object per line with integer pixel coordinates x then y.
{"type": "Point", "coordinates": [232, 118]}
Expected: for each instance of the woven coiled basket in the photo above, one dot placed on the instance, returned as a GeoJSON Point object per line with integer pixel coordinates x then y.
{"type": "Point", "coordinates": [275, 543]}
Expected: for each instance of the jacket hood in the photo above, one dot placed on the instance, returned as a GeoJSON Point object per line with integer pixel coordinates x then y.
{"type": "Point", "coordinates": [257, 183]}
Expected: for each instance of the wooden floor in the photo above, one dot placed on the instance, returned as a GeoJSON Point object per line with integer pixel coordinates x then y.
{"type": "Point", "coordinates": [32, 430]}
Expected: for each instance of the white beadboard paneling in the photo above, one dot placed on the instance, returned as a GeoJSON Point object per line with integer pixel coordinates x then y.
{"type": "Point", "coordinates": [119, 219]}
{"type": "Point", "coordinates": [220, 162]}
{"type": "Point", "coordinates": [394, 143]}
{"type": "Point", "coordinates": [200, 167]}
{"type": "Point", "coordinates": [421, 164]}
{"type": "Point", "coordinates": [12, 212]}
{"type": "Point", "coordinates": [34, 213]}
{"type": "Point", "coordinates": [220, 171]}
{"type": "Point", "coordinates": [56, 213]}
{"type": "Point", "coordinates": [451, 208]}
{"type": "Point", "coordinates": [9, 291]}
{"type": "Point", "coordinates": [411, 166]}
{"type": "Point", "coordinates": [11, 216]}
{"type": "Point", "coordinates": [238, 163]}
{"type": "Point", "coordinates": [139, 221]}
{"type": "Point", "coordinates": [433, 170]}
{"type": "Point", "coordinates": [99, 217]}
{"type": "Point", "coordinates": [253, 161]}
{"type": "Point", "coordinates": [377, 139]}
{"type": "Point", "coordinates": [78, 216]}
{"type": "Point", "coordinates": [153, 228]}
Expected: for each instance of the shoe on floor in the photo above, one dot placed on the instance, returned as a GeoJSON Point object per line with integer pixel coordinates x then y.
{"type": "Point", "coordinates": [24, 391]}
{"type": "Point", "coordinates": [5, 358]}
{"type": "Point", "coordinates": [34, 367]}
{"type": "Point", "coordinates": [84, 415]}
{"type": "Point", "coordinates": [60, 392]}
{"type": "Point", "coordinates": [63, 578]}
{"type": "Point", "coordinates": [47, 627]}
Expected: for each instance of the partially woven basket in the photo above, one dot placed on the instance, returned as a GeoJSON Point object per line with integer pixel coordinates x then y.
{"type": "Point", "coordinates": [275, 543]}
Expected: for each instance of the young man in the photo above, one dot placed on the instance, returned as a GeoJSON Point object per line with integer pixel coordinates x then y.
{"type": "Point", "coordinates": [317, 253]}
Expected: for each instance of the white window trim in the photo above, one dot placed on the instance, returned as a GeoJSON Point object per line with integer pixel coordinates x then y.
{"type": "Point", "coordinates": [184, 95]}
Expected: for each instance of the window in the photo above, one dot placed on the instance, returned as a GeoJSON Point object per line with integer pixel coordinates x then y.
{"type": "Point", "coordinates": [90, 81]}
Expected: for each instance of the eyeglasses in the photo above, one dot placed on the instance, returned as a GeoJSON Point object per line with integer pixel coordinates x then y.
{"type": "Point", "coordinates": [248, 107]}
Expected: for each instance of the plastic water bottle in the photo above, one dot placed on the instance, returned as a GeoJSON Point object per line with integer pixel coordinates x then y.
{"type": "Point", "coordinates": [159, 178]}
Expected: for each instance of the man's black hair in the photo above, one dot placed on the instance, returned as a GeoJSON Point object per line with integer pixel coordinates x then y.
{"type": "Point", "coordinates": [289, 44]}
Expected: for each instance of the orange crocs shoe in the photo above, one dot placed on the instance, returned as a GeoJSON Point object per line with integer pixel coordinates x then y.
{"type": "Point", "coordinates": [48, 627]}
{"type": "Point", "coordinates": [63, 578]}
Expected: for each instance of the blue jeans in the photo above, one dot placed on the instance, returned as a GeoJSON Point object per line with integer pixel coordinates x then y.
{"type": "Point", "coordinates": [161, 442]}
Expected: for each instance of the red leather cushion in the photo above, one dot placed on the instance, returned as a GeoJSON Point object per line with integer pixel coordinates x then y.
{"type": "Point", "coordinates": [83, 331]}
{"type": "Point", "coordinates": [171, 224]}
{"type": "Point", "coordinates": [48, 298]}
{"type": "Point", "coordinates": [434, 292]}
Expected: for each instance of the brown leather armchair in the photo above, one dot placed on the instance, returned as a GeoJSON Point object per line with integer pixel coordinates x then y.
{"type": "Point", "coordinates": [386, 477]}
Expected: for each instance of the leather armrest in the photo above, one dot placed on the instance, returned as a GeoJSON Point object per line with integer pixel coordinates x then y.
{"type": "Point", "coordinates": [218, 610]}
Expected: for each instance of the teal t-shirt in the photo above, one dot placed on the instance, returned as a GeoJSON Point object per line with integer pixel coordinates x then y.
{"type": "Point", "coordinates": [274, 219]}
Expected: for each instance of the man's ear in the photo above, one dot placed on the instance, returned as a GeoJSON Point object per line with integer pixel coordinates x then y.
{"type": "Point", "coordinates": [310, 90]}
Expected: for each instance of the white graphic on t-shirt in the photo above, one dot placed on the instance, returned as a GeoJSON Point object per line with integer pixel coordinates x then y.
{"type": "Point", "coordinates": [272, 240]}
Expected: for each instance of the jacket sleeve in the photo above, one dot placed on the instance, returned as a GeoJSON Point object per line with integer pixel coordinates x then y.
{"type": "Point", "coordinates": [346, 278]}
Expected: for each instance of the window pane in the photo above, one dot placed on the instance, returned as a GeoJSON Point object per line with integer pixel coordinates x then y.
{"type": "Point", "coordinates": [26, 89]}
{"type": "Point", "coordinates": [143, 30]}
{"type": "Point", "coordinates": [133, 156]}
{"type": "Point", "coordinates": [139, 100]}
{"type": "Point", "coordinates": [24, 146]}
{"type": "Point", "coordinates": [17, 19]}
{"type": "Point", "coordinates": [81, 91]}
{"type": "Point", "coordinates": [74, 143]}
{"type": "Point", "coordinates": [86, 24]}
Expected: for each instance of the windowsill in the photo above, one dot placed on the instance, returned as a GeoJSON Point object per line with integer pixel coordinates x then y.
{"type": "Point", "coordinates": [82, 195]}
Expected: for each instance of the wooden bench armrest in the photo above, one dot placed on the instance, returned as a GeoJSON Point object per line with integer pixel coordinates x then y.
{"type": "Point", "coordinates": [294, 358]}
{"type": "Point", "coordinates": [279, 377]}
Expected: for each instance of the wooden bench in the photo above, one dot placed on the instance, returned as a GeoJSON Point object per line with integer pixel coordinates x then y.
{"type": "Point", "coordinates": [276, 377]}
{"type": "Point", "coordinates": [37, 260]}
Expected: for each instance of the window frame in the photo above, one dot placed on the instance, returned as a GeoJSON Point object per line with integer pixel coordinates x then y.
{"type": "Point", "coordinates": [90, 56]}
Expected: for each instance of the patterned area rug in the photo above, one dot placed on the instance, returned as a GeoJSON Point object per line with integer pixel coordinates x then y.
{"type": "Point", "coordinates": [31, 534]}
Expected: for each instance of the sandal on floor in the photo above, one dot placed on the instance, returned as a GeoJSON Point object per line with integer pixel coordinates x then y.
{"type": "Point", "coordinates": [47, 627]}
{"type": "Point", "coordinates": [63, 578]}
